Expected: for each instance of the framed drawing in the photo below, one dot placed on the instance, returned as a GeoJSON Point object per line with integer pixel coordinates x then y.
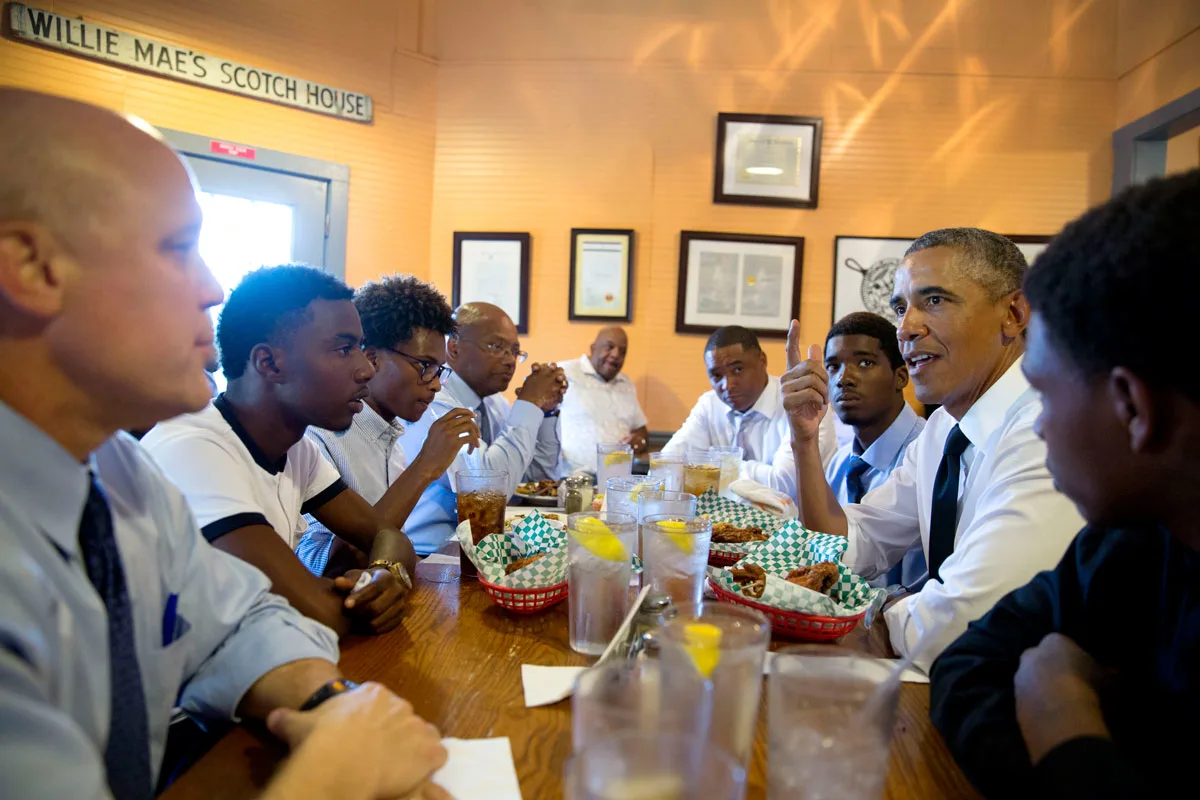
{"type": "Point", "coordinates": [601, 274]}
{"type": "Point", "coordinates": [767, 160]}
{"type": "Point", "coordinates": [738, 279]}
{"type": "Point", "coordinates": [493, 268]}
{"type": "Point", "coordinates": [864, 270]}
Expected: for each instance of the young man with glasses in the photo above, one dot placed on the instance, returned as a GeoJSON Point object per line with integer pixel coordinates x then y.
{"type": "Point", "coordinates": [523, 438]}
{"type": "Point", "coordinates": [405, 324]}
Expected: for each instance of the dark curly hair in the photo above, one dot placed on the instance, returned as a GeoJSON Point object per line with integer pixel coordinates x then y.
{"type": "Point", "coordinates": [864, 323]}
{"type": "Point", "coordinates": [1116, 286]}
{"type": "Point", "coordinates": [991, 260]}
{"type": "Point", "coordinates": [267, 306]}
{"type": "Point", "coordinates": [393, 307]}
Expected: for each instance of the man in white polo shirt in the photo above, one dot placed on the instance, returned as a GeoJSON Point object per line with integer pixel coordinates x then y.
{"type": "Point", "coordinates": [602, 406]}
{"type": "Point", "coordinates": [291, 347]}
{"type": "Point", "coordinates": [973, 488]}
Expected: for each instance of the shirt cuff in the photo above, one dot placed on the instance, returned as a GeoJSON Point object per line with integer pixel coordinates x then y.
{"type": "Point", "coordinates": [324, 496]}
{"type": "Point", "coordinates": [897, 618]}
{"type": "Point", "coordinates": [525, 414]}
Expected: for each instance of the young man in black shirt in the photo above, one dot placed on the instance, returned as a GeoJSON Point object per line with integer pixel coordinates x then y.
{"type": "Point", "coordinates": [1085, 683]}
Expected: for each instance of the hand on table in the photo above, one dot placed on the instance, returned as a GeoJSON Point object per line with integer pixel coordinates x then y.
{"type": "Point", "coordinates": [1057, 689]}
{"type": "Point", "coordinates": [369, 740]}
{"type": "Point", "coordinates": [380, 604]}
{"type": "Point", "coordinates": [805, 386]}
{"type": "Point", "coordinates": [544, 387]}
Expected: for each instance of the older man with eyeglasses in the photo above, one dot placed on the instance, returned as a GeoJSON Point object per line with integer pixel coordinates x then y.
{"type": "Point", "coordinates": [405, 324]}
{"type": "Point", "coordinates": [524, 438]}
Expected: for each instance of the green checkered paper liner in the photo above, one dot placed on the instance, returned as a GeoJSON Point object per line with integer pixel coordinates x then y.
{"type": "Point", "coordinates": [721, 509]}
{"type": "Point", "coordinates": [794, 546]}
{"type": "Point", "coordinates": [531, 535]}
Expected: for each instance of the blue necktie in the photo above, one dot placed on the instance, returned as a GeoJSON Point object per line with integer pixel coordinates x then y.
{"type": "Point", "coordinates": [943, 518]}
{"type": "Point", "coordinates": [127, 757]}
{"type": "Point", "coordinates": [854, 484]}
{"type": "Point", "coordinates": [485, 424]}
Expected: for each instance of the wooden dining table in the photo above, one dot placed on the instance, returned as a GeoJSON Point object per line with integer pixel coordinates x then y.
{"type": "Point", "coordinates": [457, 658]}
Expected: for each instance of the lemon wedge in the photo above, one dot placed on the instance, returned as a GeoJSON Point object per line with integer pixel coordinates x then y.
{"type": "Point", "coordinates": [618, 457]}
{"type": "Point", "coordinates": [675, 530]}
{"type": "Point", "coordinates": [702, 642]}
{"type": "Point", "coordinates": [637, 490]}
{"type": "Point", "coordinates": [599, 540]}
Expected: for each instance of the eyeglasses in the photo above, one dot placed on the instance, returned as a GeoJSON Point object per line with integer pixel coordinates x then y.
{"type": "Point", "coordinates": [424, 367]}
{"type": "Point", "coordinates": [497, 350]}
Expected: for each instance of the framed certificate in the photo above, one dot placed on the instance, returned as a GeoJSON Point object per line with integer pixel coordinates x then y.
{"type": "Point", "coordinates": [601, 274]}
{"type": "Point", "coordinates": [767, 160]}
{"type": "Point", "coordinates": [493, 268]}
{"type": "Point", "coordinates": [738, 279]}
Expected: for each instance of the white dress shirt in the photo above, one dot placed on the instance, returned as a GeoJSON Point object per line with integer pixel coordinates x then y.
{"type": "Point", "coordinates": [884, 455]}
{"type": "Point", "coordinates": [595, 411]}
{"type": "Point", "coordinates": [525, 443]}
{"type": "Point", "coordinates": [763, 432]}
{"type": "Point", "coordinates": [1012, 522]}
{"type": "Point", "coordinates": [206, 625]}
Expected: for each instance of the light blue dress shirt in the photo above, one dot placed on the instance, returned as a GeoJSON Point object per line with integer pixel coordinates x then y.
{"type": "Point", "coordinates": [206, 624]}
{"type": "Point", "coordinates": [525, 443]}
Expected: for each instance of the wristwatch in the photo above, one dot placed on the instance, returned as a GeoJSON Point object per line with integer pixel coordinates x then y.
{"type": "Point", "coordinates": [398, 570]}
{"type": "Point", "coordinates": [331, 689]}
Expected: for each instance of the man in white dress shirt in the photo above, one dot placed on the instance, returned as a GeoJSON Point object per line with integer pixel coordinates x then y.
{"type": "Point", "coordinates": [602, 406]}
{"type": "Point", "coordinates": [521, 438]}
{"type": "Point", "coordinates": [973, 489]}
{"type": "Point", "coordinates": [744, 409]}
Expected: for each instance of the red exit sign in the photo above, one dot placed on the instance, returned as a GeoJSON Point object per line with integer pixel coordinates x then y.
{"type": "Point", "coordinates": [228, 149]}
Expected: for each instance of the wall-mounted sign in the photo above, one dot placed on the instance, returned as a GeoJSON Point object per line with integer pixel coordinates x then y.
{"type": "Point", "coordinates": [80, 38]}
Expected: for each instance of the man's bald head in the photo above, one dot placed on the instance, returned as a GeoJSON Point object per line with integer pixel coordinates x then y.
{"type": "Point", "coordinates": [483, 350]}
{"type": "Point", "coordinates": [608, 352]}
{"type": "Point", "coordinates": [103, 294]}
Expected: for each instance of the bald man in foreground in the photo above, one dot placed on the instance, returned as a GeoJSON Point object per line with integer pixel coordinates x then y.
{"type": "Point", "coordinates": [521, 438]}
{"type": "Point", "coordinates": [602, 406]}
{"type": "Point", "coordinates": [113, 607]}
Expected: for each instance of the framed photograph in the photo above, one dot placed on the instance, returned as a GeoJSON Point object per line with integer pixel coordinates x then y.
{"type": "Point", "coordinates": [864, 270]}
{"type": "Point", "coordinates": [493, 268]}
{"type": "Point", "coordinates": [601, 274]}
{"type": "Point", "coordinates": [738, 279]}
{"type": "Point", "coordinates": [767, 160]}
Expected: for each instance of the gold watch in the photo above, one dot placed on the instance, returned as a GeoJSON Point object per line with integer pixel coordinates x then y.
{"type": "Point", "coordinates": [398, 570]}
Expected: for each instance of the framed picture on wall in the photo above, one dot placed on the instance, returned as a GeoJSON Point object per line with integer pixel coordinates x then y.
{"type": "Point", "coordinates": [493, 268]}
{"type": "Point", "coordinates": [767, 160]}
{"type": "Point", "coordinates": [864, 270]}
{"type": "Point", "coordinates": [601, 274]}
{"type": "Point", "coordinates": [738, 279]}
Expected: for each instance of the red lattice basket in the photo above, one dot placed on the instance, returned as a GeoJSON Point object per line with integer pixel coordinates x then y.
{"type": "Point", "coordinates": [792, 624]}
{"type": "Point", "coordinates": [525, 601]}
{"type": "Point", "coordinates": [718, 559]}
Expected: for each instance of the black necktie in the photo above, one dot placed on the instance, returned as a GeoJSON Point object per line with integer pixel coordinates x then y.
{"type": "Point", "coordinates": [127, 757]}
{"type": "Point", "coordinates": [485, 424]}
{"type": "Point", "coordinates": [943, 519]}
{"type": "Point", "coordinates": [854, 484]}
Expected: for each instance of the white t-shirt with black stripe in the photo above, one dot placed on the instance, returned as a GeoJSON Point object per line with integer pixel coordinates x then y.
{"type": "Point", "coordinates": [230, 483]}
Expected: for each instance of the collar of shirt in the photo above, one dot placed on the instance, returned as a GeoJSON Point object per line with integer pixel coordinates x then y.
{"type": "Point", "coordinates": [585, 365]}
{"type": "Point", "coordinates": [767, 404]}
{"type": "Point", "coordinates": [50, 484]}
{"type": "Point", "coordinates": [987, 415]}
{"type": "Point", "coordinates": [883, 451]}
{"type": "Point", "coordinates": [461, 395]}
{"type": "Point", "coordinates": [260, 458]}
{"type": "Point", "coordinates": [376, 427]}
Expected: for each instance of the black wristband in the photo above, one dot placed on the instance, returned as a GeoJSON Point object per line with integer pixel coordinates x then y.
{"type": "Point", "coordinates": [330, 689]}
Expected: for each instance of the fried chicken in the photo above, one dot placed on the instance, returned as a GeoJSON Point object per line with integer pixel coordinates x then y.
{"type": "Point", "coordinates": [727, 533]}
{"type": "Point", "coordinates": [752, 578]}
{"type": "Point", "coordinates": [819, 577]}
{"type": "Point", "coordinates": [521, 562]}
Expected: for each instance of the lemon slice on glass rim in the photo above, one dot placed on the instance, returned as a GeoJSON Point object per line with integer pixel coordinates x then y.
{"type": "Point", "coordinates": [619, 457]}
{"type": "Point", "coordinates": [702, 641]}
{"type": "Point", "coordinates": [599, 540]}
{"type": "Point", "coordinates": [675, 530]}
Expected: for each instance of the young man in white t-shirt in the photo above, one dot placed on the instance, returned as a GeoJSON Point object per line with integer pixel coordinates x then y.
{"type": "Point", "coordinates": [291, 348]}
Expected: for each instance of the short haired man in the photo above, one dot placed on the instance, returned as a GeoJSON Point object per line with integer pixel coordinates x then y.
{"type": "Point", "coordinates": [973, 489]}
{"type": "Point", "coordinates": [602, 406]}
{"type": "Point", "coordinates": [1086, 681]}
{"type": "Point", "coordinates": [744, 409]}
{"type": "Point", "coordinates": [521, 438]}
{"type": "Point", "coordinates": [867, 377]}
{"type": "Point", "coordinates": [291, 349]}
{"type": "Point", "coordinates": [405, 323]}
{"type": "Point", "coordinates": [113, 608]}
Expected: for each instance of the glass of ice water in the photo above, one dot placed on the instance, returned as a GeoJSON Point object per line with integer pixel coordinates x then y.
{"type": "Point", "coordinates": [675, 557]}
{"type": "Point", "coordinates": [680, 504]}
{"type": "Point", "coordinates": [729, 459]}
{"type": "Point", "coordinates": [599, 565]}
{"type": "Point", "coordinates": [669, 467]}
{"type": "Point", "coordinates": [613, 461]}
{"type": "Point", "coordinates": [653, 766]}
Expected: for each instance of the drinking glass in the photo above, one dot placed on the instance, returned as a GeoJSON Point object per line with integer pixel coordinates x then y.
{"type": "Point", "coordinates": [729, 459]}
{"type": "Point", "coordinates": [669, 467]}
{"type": "Point", "coordinates": [617, 698]}
{"type": "Point", "coordinates": [828, 730]}
{"type": "Point", "coordinates": [599, 565]}
{"type": "Point", "coordinates": [482, 495]}
{"type": "Point", "coordinates": [676, 555]}
{"type": "Point", "coordinates": [701, 472]}
{"type": "Point", "coordinates": [653, 766]}
{"type": "Point", "coordinates": [679, 504]}
{"type": "Point", "coordinates": [613, 461]}
{"type": "Point", "coordinates": [712, 666]}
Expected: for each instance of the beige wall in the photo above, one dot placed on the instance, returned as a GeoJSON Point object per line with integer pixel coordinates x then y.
{"type": "Point", "coordinates": [1158, 54]}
